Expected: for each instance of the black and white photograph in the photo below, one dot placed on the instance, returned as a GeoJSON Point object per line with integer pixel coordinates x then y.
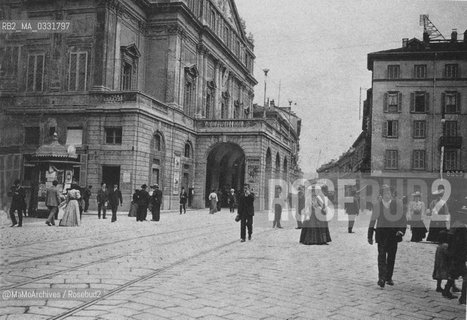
{"type": "Point", "coordinates": [233, 159]}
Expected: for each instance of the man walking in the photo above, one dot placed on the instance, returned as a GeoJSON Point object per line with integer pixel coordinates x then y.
{"type": "Point", "coordinates": [18, 199]}
{"type": "Point", "coordinates": [102, 198]}
{"type": "Point", "coordinates": [86, 197]}
{"type": "Point", "coordinates": [232, 198]}
{"type": "Point", "coordinates": [52, 200]}
{"type": "Point", "coordinates": [156, 201]}
{"type": "Point", "coordinates": [277, 208]}
{"type": "Point", "coordinates": [246, 211]}
{"type": "Point", "coordinates": [143, 202]}
{"type": "Point", "coordinates": [391, 223]}
{"type": "Point", "coordinates": [114, 197]}
{"type": "Point", "coordinates": [183, 199]}
{"type": "Point", "coordinates": [352, 209]}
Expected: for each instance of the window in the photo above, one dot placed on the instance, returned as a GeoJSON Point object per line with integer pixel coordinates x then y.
{"type": "Point", "coordinates": [74, 136]}
{"type": "Point", "coordinates": [392, 159]}
{"type": "Point", "coordinates": [451, 102]}
{"type": "Point", "coordinates": [187, 150]}
{"type": "Point", "coordinates": [35, 78]}
{"type": "Point", "coordinates": [126, 76]}
{"type": "Point", "coordinates": [419, 129]}
{"type": "Point", "coordinates": [158, 144]}
{"type": "Point", "coordinates": [450, 160]}
{"type": "Point", "coordinates": [9, 61]}
{"type": "Point", "coordinates": [77, 71]}
{"type": "Point", "coordinates": [391, 128]}
{"type": "Point", "coordinates": [113, 135]}
{"type": "Point", "coordinates": [419, 71]}
{"type": "Point", "coordinates": [451, 71]}
{"type": "Point", "coordinates": [419, 157]}
{"type": "Point", "coordinates": [213, 20]}
{"type": "Point", "coordinates": [209, 102]}
{"type": "Point", "coordinates": [419, 102]}
{"type": "Point", "coordinates": [392, 102]}
{"type": "Point", "coordinates": [450, 129]}
{"type": "Point", "coordinates": [32, 135]}
{"type": "Point", "coordinates": [394, 72]}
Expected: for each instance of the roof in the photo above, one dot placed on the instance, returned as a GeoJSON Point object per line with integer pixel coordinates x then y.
{"type": "Point", "coordinates": [420, 50]}
{"type": "Point", "coordinates": [54, 150]}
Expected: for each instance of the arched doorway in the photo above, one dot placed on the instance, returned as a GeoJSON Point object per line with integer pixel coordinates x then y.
{"type": "Point", "coordinates": [225, 170]}
{"type": "Point", "coordinates": [267, 176]}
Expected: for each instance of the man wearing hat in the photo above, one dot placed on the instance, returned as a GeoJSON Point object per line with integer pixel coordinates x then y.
{"type": "Point", "coordinates": [439, 213]}
{"type": "Point", "coordinates": [457, 252]}
{"type": "Point", "coordinates": [115, 197]}
{"type": "Point", "coordinates": [156, 201]}
{"type": "Point", "coordinates": [143, 202]}
{"type": "Point", "coordinates": [389, 218]}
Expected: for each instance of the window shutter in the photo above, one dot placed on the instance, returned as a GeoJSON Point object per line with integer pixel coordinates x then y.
{"type": "Point", "coordinates": [445, 71]}
{"type": "Point", "coordinates": [82, 71]}
{"type": "Point", "coordinates": [73, 62]}
{"type": "Point", "coordinates": [396, 159]}
{"type": "Point", "coordinates": [395, 128]}
{"type": "Point", "coordinates": [413, 160]}
{"type": "Point", "coordinates": [458, 102]}
{"type": "Point", "coordinates": [399, 102]}
{"type": "Point", "coordinates": [412, 102]}
{"type": "Point", "coordinates": [385, 102]}
{"type": "Point", "coordinates": [39, 72]}
{"type": "Point", "coordinates": [30, 79]}
{"type": "Point", "coordinates": [427, 101]}
{"type": "Point", "coordinates": [443, 103]}
{"type": "Point", "coordinates": [385, 129]}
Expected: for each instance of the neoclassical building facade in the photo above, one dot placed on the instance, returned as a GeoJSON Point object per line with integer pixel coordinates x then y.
{"type": "Point", "coordinates": [146, 92]}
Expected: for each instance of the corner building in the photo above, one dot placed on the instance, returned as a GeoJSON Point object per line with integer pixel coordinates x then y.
{"type": "Point", "coordinates": [146, 91]}
{"type": "Point", "coordinates": [419, 108]}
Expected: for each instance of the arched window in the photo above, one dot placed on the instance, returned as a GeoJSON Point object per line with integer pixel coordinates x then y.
{"type": "Point", "coordinates": [285, 169]}
{"type": "Point", "coordinates": [187, 150]}
{"type": "Point", "coordinates": [158, 142]}
{"type": "Point", "coordinates": [278, 163]}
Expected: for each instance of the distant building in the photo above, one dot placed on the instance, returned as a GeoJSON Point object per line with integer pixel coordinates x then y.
{"type": "Point", "coordinates": [147, 92]}
{"type": "Point", "coordinates": [419, 107]}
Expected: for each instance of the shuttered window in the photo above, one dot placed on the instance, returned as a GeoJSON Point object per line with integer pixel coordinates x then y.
{"type": "Point", "coordinates": [419, 129]}
{"type": "Point", "coordinates": [9, 61]}
{"type": "Point", "coordinates": [450, 129]}
{"type": "Point", "coordinates": [419, 102]}
{"type": "Point", "coordinates": [391, 129]}
{"type": "Point", "coordinates": [419, 71]}
{"type": "Point", "coordinates": [451, 71]}
{"type": "Point", "coordinates": [394, 72]}
{"type": "Point", "coordinates": [392, 159]}
{"type": "Point", "coordinates": [35, 78]}
{"type": "Point", "coordinates": [450, 160]}
{"type": "Point", "coordinates": [392, 102]}
{"type": "Point", "coordinates": [77, 71]}
{"type": "Point", "coordinates": [419, 157]}
{"type": "Point", "coordinates": [451, 102]}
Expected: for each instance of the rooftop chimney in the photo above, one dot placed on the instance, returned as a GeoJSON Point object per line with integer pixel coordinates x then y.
{"type": "Point", "coordinates": [454, 35]}
{"type": "Point", "coordinates": [405, 42]}
{"type": "Point", "coordinates": [426, 37]}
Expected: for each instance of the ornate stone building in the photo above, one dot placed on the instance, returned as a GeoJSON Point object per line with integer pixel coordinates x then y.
{"type": "Point", "coordinates": [147, 91]}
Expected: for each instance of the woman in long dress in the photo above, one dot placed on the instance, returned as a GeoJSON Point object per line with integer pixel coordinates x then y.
{"type": "Point", "coordinates": [439, 213]}
{"type": "Point", "coordinates": [315, 229]}
{"type": "Point", "coordinates": [134, 204]}
{"type": "Point", "coordinates": [71, 216]}
{"type": "Point", "coordinates": [213, 202]}
{"type": "Point", "coordinates": [415, 210]}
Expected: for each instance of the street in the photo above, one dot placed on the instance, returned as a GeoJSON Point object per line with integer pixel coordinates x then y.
{"type": "Point", "coordinates": [194, 266]}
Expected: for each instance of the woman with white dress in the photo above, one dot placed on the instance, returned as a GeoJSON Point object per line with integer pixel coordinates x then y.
{"type": "Point", "coordinates": [415, 211]}
{"type": "Point", "coordinates": [213, 202]}
{"type": "Point", "coordinates": [71, 217]}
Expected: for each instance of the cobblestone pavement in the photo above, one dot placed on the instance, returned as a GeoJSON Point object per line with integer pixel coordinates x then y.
{"type": "Point", "coordinates": [194, 266]}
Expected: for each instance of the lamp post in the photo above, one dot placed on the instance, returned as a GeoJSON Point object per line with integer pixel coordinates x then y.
{"type": "Point", "coordinates": [265, 86]}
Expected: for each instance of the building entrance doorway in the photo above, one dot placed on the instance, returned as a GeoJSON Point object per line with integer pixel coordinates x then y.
{"type": "Point", "coordinates": [225, 170]}
{"type": "Point", "coordinates": [111, 175]}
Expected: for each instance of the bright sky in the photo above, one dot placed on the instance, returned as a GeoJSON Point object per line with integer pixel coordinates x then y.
{"type": "Point", "coordinates": [317, 50]}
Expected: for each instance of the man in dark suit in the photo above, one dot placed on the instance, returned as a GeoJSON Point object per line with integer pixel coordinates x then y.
{"type": "Point", "coordinates": [102, 198]}
{"type": "Point", "coordinates": [18, 195]}
{"type": "Point", "coordinates": [389, 217]}
{"type": "Point", "coordinates": [86, 196]}
{"type": "Point", "coordinates": [115, 196]}
{"type": "Point", "coordinates": [52, 200]}
{"type": "Point", "coordinates": [183, 198]}
{"type": "Point", "coordinates": [156, 201]}
{"type": "Point", "coordinates": [246, 211]}
{"type": "Point", "coordinates": [143, 202]}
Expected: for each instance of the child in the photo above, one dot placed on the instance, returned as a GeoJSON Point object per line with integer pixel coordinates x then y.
{"type": "Point", "coordinates": [440, 271]}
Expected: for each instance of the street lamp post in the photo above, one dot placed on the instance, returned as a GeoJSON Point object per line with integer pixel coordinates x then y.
{"type": "Point", "coordinates": [265, 86]}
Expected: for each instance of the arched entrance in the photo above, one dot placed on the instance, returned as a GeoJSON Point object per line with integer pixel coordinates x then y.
{"type": "Point", "coordinates": [225, 170]}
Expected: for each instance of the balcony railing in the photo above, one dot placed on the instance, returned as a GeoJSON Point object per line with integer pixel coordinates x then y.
{"type": "Point", "coordinates": [239, 123]}
{"type": "Point", "coordinates": [450, 142]}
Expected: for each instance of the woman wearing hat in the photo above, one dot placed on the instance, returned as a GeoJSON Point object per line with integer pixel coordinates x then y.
{"type": "Point", "coordinates": [439, 213]}
{"type": "Point", "coordinates": [315, 228]}
{"type": "Point", "coordinates": [416, 208]}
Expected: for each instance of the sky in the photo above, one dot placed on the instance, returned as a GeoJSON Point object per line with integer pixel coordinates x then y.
{"type": "Point", "coordinates": [317, 50]}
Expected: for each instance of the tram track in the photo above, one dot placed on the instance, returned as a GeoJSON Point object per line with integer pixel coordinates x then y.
{"type": "Point", "coordinates": [94, 246]}
{"type": "Point", "coordinates": [107, 259]}
{"type": "Point", "coordinates": [144, 278]}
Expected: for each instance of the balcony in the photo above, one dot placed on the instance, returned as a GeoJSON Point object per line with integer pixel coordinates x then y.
{"type": "Point", "coordinates": [450, 142]}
